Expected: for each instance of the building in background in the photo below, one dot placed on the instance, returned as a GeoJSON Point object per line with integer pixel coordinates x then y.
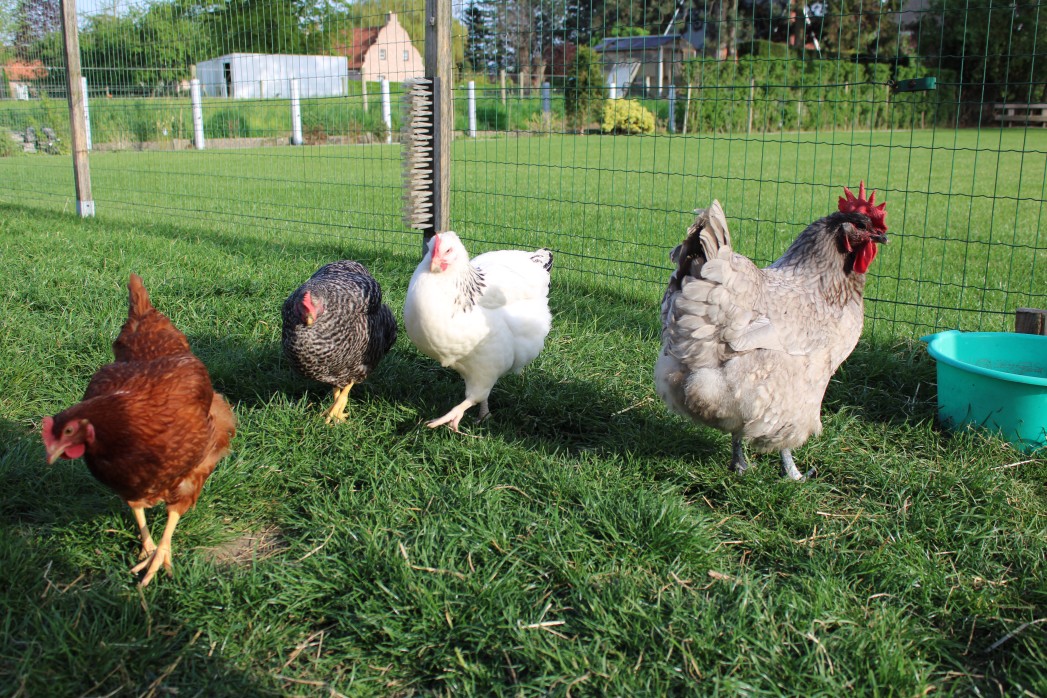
{"type": "Point", "coordinates": [381, 52]}
{"type": "Point", "coordinates": [635, 62]}
{"type": "Point", "coordinates": [17, 78]}
{"type": "Point", "coordinates": [264, 76]}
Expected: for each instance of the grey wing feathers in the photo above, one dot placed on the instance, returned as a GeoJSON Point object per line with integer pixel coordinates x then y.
{"type": "Point", "coordinates": [544, 258]}
{"type": "Point", "coordinates": [711, 307]}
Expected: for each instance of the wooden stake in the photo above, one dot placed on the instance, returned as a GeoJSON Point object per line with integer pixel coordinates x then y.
{"type": "Point", "coordinates": [85, 205]}
{"type": "Point", "coordinates": [438, 68]}
{"type": "Point", "coordinates": [1030, 321]}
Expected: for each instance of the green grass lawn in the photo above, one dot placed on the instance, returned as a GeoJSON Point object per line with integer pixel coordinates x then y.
{"type": "Point", "coordinates": [582, 541]}
{"type": "Point", "coordinates": [965, 208]}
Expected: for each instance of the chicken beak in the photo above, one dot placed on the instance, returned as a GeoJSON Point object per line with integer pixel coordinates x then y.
{"type": "Point", "coordinates": [309, 319]}
{"type": "Point", "coordinates": [54, 452]}
{"type": "Point", "coordinates": [879, 237]}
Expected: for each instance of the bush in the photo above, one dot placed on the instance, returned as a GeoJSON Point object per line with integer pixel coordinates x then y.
{"type": "Point", "coordinates": [584, 88]}
{"type": "Point", "coordinates": [227, 123]}
{"type": "Point", "coordinates": [8, 146]}
{"type": "Point", "coordinates": [491, 117]}
{"type": "Point", "coordinates": [626, 116]}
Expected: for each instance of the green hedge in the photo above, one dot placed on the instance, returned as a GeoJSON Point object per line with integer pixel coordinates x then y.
{"type": "Point", "coordinates": [789, 94]}
{"type": "Point", "coordinates": [793, 94]}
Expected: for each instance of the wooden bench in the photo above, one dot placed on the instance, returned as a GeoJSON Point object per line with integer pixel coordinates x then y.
{"type": "Point", "coordinates": [1021, 114]}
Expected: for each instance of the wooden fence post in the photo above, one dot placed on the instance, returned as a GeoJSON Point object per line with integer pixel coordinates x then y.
{"type": "Point", "coordinates": [438, 68]}
{"type": "Point", "coordinates": [85, 204]}
{"type": "Point", "coordinates": [1030, 321]}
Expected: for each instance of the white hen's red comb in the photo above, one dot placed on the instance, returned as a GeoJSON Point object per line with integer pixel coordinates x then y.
{"type": "Point", "coordinates": [859, 204]}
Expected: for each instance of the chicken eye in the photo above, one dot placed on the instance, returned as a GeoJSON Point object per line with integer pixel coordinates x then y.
{"type": "Point", "coordinates": [67, 431]}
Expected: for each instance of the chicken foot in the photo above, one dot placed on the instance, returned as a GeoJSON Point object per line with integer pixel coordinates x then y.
{"type": "Point", "coordinates": [452, 418]}
{"type": "Point", "coordinates": [148, 546]}
{"type": "Point", "coordinates": [738, 461]}
{"type": "Point", "coordinates": [162, 554]}
{"type": "Point", "coordinates": [337, 411]}
{"type": "Point", "coordinates": [789, 468]}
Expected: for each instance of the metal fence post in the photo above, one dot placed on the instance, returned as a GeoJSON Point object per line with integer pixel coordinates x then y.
{"type": "Point", "coordinates": [87, 113]}
{"type": "Point", "coordinates": [547, 101]}
{"type": "Point", "coordinates": [296, 114]}
{"type": "Point", "coordinates": [672, 108]}
{"type": "Point", "coordinates": [387, 111]}
{"type": "Point", "coordinates": [85, 204]}
{"type": "Point", "coordinates": [198, 113]}
{"type": "Point", "coordinates": [472, 109]}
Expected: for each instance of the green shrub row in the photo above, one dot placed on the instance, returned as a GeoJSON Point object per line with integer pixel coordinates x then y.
{"type": "Point", "coordinates": [795, 94]}
{"type": "Point", "coordinates": [781, 93]}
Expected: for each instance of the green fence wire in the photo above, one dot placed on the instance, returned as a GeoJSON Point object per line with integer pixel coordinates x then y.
{"type": "Point", "coordinates": [597, 128]}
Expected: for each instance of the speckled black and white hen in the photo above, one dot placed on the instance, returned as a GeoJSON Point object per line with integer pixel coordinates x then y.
{"type": "Point", "coordinates": [336, 329]}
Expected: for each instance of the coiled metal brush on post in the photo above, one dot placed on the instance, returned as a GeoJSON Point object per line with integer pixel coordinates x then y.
{"type": "Point", "coordinates": [416, 138]}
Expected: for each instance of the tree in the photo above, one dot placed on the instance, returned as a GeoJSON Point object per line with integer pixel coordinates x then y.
{"type": "Point", "coordinates": [862, 27]}
{"type": "Point", "coordinates": [996, 49]}
{"type": "Point", "coordinates": [34, 21]}
{"type": "Point", "coordinates": [583, 88]}
{"type": "Point", "coordinates": [480, 37]}
{"type": "Point", "coordinates": [651, 15]}
{"type": "Point", "coordinates": [263, 26]}
{"type": "Point", "coordinates": [8, 22]}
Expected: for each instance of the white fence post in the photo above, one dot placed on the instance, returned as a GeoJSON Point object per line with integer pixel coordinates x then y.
{"type": "Point", "coordinates": [547, 99]}
{"type": "Point", "coordinates": [387, 111]}
{"type": "Point", "coordinates": [198, 113]}
{"type": "Point", "coordinates": [296, 114]}
{"type": "Point", "coordinates": [472, 109]}
{"type": "Point", "coordinates": [672, 108]}
{"type": "Point", "coordinates": [87, 112]}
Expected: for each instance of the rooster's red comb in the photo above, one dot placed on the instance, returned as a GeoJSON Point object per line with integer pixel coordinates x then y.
{"type": "Point", "coordinates": [859, 204]}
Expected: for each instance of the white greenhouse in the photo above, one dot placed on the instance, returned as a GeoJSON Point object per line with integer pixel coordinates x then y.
{"type": "Point", "coordinates": [262, 75]}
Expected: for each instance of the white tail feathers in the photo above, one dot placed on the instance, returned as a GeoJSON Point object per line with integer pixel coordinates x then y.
{"type": "Point", "coordinates": [416, 138]}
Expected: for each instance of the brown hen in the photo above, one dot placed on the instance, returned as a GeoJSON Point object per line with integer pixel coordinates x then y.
{"type": "Point", "coordinates": [150, 426]}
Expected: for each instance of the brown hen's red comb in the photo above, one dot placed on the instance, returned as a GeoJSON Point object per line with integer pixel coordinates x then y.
{"type": "Point", "coordinates": [859, 204]}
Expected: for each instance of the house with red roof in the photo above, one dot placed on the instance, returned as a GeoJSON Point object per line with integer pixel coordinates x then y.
{"type": "Point", "coordinates": [381, 52]}
{"type": "Point", "coordinates": [19, 75]}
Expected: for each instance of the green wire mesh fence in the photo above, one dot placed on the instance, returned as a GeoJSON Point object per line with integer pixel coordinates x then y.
{"type": "Point", "coordinates": [593, 128]}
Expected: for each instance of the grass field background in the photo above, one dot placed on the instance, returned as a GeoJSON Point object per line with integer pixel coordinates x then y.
{"type": "Point", "coordinates": [582, 541]}
{"type": "Point", "coordinates": [965, 208]}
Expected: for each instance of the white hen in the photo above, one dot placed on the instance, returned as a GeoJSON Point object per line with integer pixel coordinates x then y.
{"type": "Point", "coordinates": [483, 317]}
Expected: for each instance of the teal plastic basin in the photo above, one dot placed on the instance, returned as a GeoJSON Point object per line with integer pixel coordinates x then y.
{"type": "Point", "coordinates": [993, 380]}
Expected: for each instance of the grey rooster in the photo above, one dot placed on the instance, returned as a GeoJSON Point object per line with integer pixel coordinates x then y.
{"type": "Point", "coordinates": [336, 329]}
{"type": "Point", "coordinates": [750, 351]}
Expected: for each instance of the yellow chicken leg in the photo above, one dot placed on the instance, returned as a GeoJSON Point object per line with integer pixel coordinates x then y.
{"type": "Point", "coordinates": [148, 546]}
{"type": "Point", "coordinates": [162, 554]}
{"type": "Point", "coordinates": [337, 411]}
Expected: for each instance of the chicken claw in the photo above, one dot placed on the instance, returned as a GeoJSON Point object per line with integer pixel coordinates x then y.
{"type": "Point", "coordinates": [453, 417]}
{"type": "Point", "coordinates": [161, 555]}
{"type": "Point", "coordinates": [790, 470]}
{"type": "Point", "coordinates": [337, 411]}
{"type": "Point", "coordinates": [738, 455]}
{"type": "Point", "coordinates": [148, 546]}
